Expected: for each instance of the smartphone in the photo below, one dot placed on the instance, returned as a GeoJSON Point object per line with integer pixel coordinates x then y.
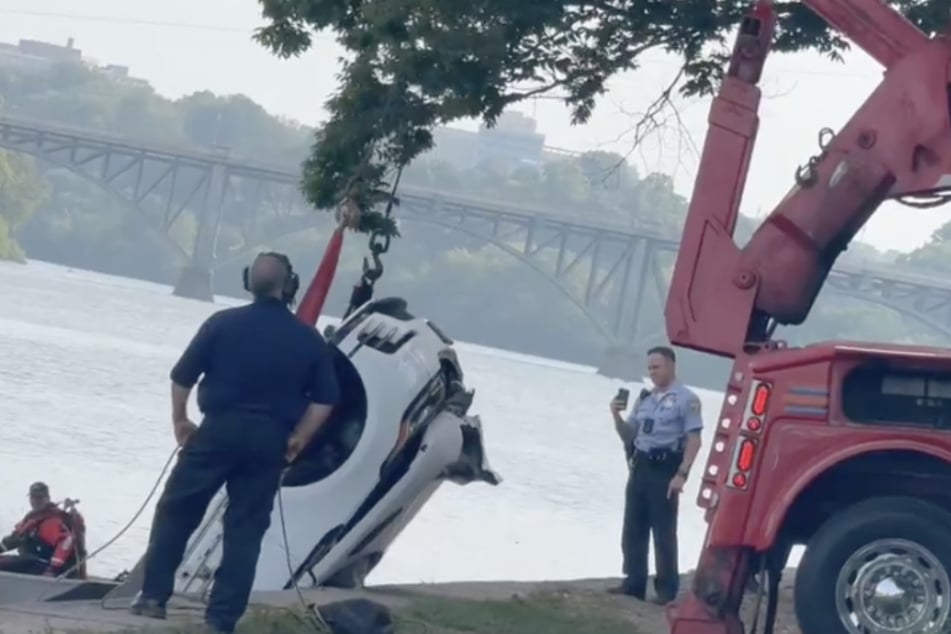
{"type": "Point", "coordinates": [623, 396]}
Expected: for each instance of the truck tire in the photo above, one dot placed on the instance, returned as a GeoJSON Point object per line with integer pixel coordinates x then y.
{"type": "Point", "coordinates": [842, 585]}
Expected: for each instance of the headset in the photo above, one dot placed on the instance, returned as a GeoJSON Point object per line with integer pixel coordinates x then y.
{"type": "Point", "coordinates": [291, 279]}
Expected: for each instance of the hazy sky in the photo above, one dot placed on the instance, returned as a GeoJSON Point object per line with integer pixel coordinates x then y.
{"type": "Point", "coordinates": [186, 45]}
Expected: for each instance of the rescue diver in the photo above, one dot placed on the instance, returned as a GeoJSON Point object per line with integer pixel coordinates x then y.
{"type": "Point", "coordinates": [661, 438]}
{"type": "Point", "coordinates": [268, 386]}
{"type": "Point", "coordinates": [43, 539]}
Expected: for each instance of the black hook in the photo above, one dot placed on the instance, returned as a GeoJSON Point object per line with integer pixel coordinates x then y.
{"type": "Point", "coordinates": [372, 273]}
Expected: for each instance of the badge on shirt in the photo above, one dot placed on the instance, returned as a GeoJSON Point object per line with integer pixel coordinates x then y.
{"type": "Point", "coordinates": [694, 405]}
{"type": "Point", "coordinates": [668, 401]}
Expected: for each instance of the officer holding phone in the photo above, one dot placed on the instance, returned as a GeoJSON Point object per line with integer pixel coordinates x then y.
{"type": "Point", "coordinates": [661, 438]}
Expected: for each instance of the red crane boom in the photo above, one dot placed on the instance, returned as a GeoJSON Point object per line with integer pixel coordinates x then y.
{"type": "Point", "coordinates": [726, 300]}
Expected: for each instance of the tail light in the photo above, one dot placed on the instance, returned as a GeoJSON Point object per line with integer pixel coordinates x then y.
{"type": "Point", "coordinates": [745, 458]}
{"type": "Point", "coordinates": [754, 421]}
{"type": "Point", "coordinates": [742, 424]}
{"type": "Point", "coordinates": [746, 455]}
{"type": "Point", "coordinates": [759, 403]}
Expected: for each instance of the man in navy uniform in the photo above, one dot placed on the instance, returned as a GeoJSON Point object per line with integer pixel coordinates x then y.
{"type": "Point", "coordinates": [661, 438]}
{"type": "Point", "coordinates": [268, 385]}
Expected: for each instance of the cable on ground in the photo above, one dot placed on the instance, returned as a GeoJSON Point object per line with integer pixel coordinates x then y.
{"type": "Point", "coordinates": [312, 614]}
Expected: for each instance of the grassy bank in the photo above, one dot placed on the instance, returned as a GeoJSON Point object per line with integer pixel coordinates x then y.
{"type": "Point", "coordinates": [490, 607]}
{"type": "Point", "coordinates": [551, 614]}
{"type": "Point", "coordinates": [544, 613]}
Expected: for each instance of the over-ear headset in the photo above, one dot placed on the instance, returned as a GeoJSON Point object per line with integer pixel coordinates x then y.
{"type": "Point", "coordinates": [291, 279]}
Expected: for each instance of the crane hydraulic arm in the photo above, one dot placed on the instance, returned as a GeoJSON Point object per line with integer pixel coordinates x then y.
{"type": "Point", "coordinates": [726, 300]}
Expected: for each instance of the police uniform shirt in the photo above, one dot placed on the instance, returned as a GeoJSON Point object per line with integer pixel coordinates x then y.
{"type": "Point", "coordinates": [663, 419]}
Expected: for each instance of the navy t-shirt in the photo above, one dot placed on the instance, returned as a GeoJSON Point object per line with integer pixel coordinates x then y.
{"type": "Point", "coordinates": [258, 359]}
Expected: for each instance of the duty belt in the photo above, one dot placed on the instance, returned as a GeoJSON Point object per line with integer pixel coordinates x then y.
{"type": "Point", "coordinates": [657, 456]}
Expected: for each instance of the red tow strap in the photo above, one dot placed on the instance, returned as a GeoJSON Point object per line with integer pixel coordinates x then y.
{"type": "Point", "coordinates": [312, 303]}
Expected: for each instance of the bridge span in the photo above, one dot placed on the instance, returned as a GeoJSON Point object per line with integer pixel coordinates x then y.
{"type": "Point", "coordinates": [616, 274]}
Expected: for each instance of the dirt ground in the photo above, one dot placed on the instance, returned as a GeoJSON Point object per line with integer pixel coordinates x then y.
{"type": "Point", "coordinates": [557, 607]}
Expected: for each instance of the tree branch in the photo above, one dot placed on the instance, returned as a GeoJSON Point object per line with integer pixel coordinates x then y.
{"type": "Point", "coordinates": [454, 61]}
{"type": "Point", "coordinates": [648, 122]}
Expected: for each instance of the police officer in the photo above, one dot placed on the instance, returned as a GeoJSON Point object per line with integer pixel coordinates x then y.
{"type": "Point", "coordinates": [662, 439]}
{"type": "Point", "coordinates": [268, 385]}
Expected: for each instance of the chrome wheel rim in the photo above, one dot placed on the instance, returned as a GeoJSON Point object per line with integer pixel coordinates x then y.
{"type": "Point", "coordinates": [893, 586]}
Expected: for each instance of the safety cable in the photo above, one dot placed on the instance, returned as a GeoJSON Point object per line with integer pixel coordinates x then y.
{"type": "Point", "coordinates": [128, 525]}
{"type": "Point", "coordinates": [807, 175]}
{"type": "Point", "coordinates": [920, 201]}
{"type": "Point", "coordinates": [312, 614]}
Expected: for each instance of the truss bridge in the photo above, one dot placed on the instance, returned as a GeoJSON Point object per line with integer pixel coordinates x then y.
{"type": "Point", "coordinates": [616, 274]}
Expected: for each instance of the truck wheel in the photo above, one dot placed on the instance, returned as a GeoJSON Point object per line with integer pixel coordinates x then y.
{"type": "Point", "coordinates": [881, 565]}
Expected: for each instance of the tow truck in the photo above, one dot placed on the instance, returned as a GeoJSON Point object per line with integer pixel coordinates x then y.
{"type": "Point", "coordinates": [842, 447]}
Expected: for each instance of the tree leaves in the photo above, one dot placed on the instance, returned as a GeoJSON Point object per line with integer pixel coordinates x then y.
{"type": "Point", "coordinates": [22, 191]}
{"type": "Point", "coordinates": [418, 64]}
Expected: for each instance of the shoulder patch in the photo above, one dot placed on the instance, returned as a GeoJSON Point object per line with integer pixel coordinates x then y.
{"type": "Point", "coordinates": [694, 404]}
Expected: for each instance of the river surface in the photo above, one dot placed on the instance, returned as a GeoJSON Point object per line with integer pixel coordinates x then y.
{"type": "Point", "coordinates": [84, 361]}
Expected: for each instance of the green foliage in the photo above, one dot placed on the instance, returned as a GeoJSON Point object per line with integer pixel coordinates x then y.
{"type": "Point", "coordinates": [79, 97]}
{"type": "Point", "coordinates": [22, 192]}
{"type": "Point", "coordinates": [9, 249]}
{"type": "Point", "coordinates": [935, 255]}
{"type": "Point", "coordinates": [416, 64]}
{"type": "Point", "coordinates": [599, 186]}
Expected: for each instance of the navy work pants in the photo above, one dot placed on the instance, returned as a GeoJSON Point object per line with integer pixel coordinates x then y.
{"type": "Point", "coordinates": [648, 510]}
{"type": "Point", "coordinates": [246, 454]}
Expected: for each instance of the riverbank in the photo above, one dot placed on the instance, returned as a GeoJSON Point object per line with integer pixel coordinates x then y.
{"type": "Point", "coordinates": [562, 607]}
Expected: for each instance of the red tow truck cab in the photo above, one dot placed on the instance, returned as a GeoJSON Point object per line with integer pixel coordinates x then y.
{"type": "Point", "coordinates": [831, 446]}
{"type": "Point", "coordinates": [796, 421]}
{"type": "Point", "coordinates": [842, 447]}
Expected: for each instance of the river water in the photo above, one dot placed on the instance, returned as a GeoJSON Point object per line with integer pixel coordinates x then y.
{"type": "Point", "coordinates": [84, 361]}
